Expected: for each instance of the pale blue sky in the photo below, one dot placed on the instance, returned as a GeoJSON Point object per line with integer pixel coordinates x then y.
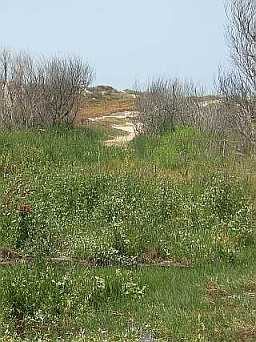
{"type": "Point", "coordinates": [124, 40]}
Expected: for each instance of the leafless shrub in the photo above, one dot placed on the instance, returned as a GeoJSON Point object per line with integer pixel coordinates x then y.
{"type": "Point", "coordinates": [43, 91]}
{"type": "Point", "coordinates": [165, 104]}
{"type": "Point", "coordinates": [211, 119]}
{"type": "Point", "coordinates": [238, 106]}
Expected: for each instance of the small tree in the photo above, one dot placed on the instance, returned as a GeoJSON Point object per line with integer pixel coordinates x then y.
{"type": "Point", "coordinates": [241, 33]}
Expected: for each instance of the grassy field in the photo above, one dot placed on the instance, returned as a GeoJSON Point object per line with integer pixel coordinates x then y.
{"type": "Point", "coordinates": [151, 242]}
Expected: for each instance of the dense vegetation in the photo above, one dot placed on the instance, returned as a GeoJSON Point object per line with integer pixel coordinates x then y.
{"type": "Point", "coordinates": [70, 203]}
{"type": "Point", "coordinates": [63, 195]}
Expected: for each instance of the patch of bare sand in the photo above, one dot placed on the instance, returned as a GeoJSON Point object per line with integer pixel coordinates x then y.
{"type": "Point", "coordinates": [126, 127]}
{"type": "Point", "coordinates": [122, 139]}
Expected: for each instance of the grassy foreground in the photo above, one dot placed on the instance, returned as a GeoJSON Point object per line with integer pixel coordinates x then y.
{"type": "Point", "coordinates": [114, 217]}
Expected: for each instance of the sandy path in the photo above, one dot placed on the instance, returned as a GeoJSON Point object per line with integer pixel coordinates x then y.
{"type": "Point", "coordinates": [125, 125]}
{"type": "Point", "coordinates": [122, 139]}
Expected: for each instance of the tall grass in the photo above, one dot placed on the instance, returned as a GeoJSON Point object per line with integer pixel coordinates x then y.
{"type": "Point", "coordinates": [59, 198]}
{"type": "Point", "coordinates": [164, 200]}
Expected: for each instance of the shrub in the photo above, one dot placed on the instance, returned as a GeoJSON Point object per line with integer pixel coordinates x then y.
{"type": "Point", "coordinates": [40, 92]}
{"type": "Point", "coordinates": [164, 104]}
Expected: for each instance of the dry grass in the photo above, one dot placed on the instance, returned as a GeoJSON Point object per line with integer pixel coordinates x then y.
{"type": "Point", "coordinates": [95, 108]}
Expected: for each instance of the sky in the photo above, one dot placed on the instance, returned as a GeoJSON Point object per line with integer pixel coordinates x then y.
{"type": "Point", "coordinates": [125, 41]}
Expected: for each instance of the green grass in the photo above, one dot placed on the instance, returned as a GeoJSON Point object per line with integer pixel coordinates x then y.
{"type": "Point", "coordinates": [184, 148]}
{"type": "Point", "coordinates": [174, 199]}
{"type": "Point", "coordinates": [203, 303]}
